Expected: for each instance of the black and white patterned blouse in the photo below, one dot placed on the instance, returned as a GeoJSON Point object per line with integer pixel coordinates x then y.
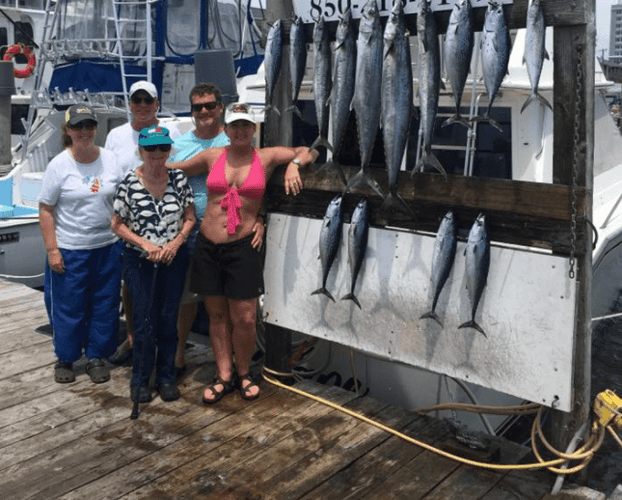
{"type": "Point", "coordinates": [156, 220]}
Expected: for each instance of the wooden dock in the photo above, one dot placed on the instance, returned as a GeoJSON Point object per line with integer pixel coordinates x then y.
{"type": "Point", "coordinates": [76, 441]}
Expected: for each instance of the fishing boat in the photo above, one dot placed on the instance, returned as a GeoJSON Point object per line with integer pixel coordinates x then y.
{"type": "Point", "coordinates": [92, 51]}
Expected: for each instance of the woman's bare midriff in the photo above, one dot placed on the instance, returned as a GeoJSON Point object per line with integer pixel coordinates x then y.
{"type": "Point", "coordinates": [214, 225]}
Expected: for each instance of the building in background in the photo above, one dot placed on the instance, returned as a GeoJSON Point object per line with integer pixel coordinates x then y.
{"type": "Point", "coordinates": [615, 32]}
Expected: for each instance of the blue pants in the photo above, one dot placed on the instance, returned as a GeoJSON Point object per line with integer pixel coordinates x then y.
{"type": "Point", "coordinates": [156, 293]}
{"type": "Point", "coordinates": [83, 302]}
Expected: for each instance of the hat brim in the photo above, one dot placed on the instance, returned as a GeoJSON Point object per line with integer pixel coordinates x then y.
{"type": "Point", "coordinates": [155, 141]}
{"type": "Point", "coordinates": [74, 120]}
{"type": "Point", "coordinates": [240, 116]}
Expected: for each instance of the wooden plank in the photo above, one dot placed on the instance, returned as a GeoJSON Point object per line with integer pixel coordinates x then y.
{"type": "Point", "coordinates": [17, 338]}
{"type": "Point", "coordinates": [521, 485]}
{"type": "Point", "coordinates": [35, 356]}
{"type": "Point", "coordinates": [466, 482]}
{"type": "Point", "coordinates": [523, 213]}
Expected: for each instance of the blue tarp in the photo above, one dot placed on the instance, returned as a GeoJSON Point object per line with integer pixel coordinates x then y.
{"type": "Point", "coordinates": [94, 75]}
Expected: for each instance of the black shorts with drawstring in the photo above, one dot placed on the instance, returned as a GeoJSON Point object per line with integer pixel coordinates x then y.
{"type": "Point", "coordinates": [233, 270]}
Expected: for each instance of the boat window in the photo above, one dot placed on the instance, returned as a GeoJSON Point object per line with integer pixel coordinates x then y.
{"type": "Point", "coordinates": [184, 26]}
{"type": "Point", "coordinates": [23, 33]}
{"type": "Point", "coordinates": [4, 40]}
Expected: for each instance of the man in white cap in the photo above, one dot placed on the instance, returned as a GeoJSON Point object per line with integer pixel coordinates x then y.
{"type": "Point", "coordinates": [123, 140]}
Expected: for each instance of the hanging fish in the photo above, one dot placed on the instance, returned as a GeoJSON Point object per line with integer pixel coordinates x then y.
{"type": "Point", "coordinates": [442, 260]}
{"type": "Point", "coordinates": [397, 98]}
{"type": "Point", "coordinates": [477, 254]}
{"type": "Point", "coordinates": [367, 85]}
{"type": "Point", "coordinates": [458, 53]}
{"type": "Point", "coordinates": [429, 66]}
{"type": "Point", "coordinates": [272, 62]}
{"type": "Point", "coordinates": [535, 52]}
{"type": "Point", "coordinates": [496, 48]}
{"type": "Point", "coordinates": [322, 82]}
{"type": "Point", "coordinates": [297, 61]}
{"type": "Point", "coordinates": [330, 237]}
{"type": "Point", "coordinates": [357, 245]}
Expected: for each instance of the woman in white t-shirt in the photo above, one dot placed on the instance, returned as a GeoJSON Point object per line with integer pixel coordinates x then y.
{"type": "Point", "coordinates": [83, 272]}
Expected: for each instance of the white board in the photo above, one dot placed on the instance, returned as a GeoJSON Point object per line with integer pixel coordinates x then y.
{"type": "Point", "coordinates": [332, 10]}
{"type": "Point", "coordinates": [527, 308]}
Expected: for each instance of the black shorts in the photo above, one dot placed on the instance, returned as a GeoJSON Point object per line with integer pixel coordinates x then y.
{"type": "Point", "coordinates": [233, 270]}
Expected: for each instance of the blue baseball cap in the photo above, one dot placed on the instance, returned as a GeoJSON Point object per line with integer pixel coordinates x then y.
{"type": "Point", "coordinates": [154, 135]}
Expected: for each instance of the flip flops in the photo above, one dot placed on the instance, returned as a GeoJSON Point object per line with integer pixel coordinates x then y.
{"type": "Point", "coordinates": [228, 388]}
{"type": "Point", "coordinates": [63, 373]}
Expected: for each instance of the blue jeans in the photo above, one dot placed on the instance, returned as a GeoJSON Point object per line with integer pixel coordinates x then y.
{"type": "Point", "coordinates": [156, 292]}
{"type": "Point", "coordinates": [83, 302]}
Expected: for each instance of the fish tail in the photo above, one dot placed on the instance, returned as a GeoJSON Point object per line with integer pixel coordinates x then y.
{"type": "Point", "coordinates": [536, 97]}
{"type": "Point", "coordinates": [432, 160]}
{"type": "Point", "coordinates": [294, 109]}
{"type": "Point", "coordinates": [321, 141]}
{"type": "Point", "coordinates": [353, 298]}
{"type": "Point", "coordinates": [333, 165]}
{"type": "Point", "coordinates": [432, 315]}
{"type": "Point", "coordinates": [489, 120]}
{"type": "Point", "coordinates": [325, 292]}
{"type": "Point", "coordinates": [473, 324]}
{"type": "Point", "coordinates": [363, 177]}
{"type": "Point", "coordinates": [456, 119]}
{"type": "Point", "coordinates": [394, 199]}
{"type": "Point", "coordinates": [270, 107]}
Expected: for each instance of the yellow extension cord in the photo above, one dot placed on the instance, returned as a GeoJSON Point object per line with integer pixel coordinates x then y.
{"type": "Point", "coordinates": [585, 453]}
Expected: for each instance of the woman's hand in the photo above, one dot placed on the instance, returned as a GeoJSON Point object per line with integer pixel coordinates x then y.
{"type": "Point", "coordinates": [55, 259]}
{"type": "Point", "coordinates": [292, 179]}
{"type": "Point", "coordinates": [153, 251]}
{"type": "Point", "coordinates": [170, 250]}
{"type": "Point", "coordinates": [259, 229]}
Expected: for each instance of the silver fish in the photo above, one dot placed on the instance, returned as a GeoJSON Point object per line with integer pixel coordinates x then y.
{"type": "Point", "coordinates": [397, 97]}
{"type": "Point", "coordinates": [496, 48]}
{"type": "Point", "coordinates": [322, 81]}
{"type": "Point", "coordinates": [367, 83]}
{"type": "Point", "coordinates": [343, 80]}
{"type": "Point", "coordinates": [297, 61]}
{"type": "Point", "coordinates": [477, 264]}
{"type": "Point", "coordinates": [330, 237]}
{"type": "Point", "coordinates": [442, 260]}
{"type": "Point", "coordinates": [357, 245]}
{"type": "Point", "coordinates": [272, 62]}
{"type": "Point", "coordinates": [535, 51]}
{"type": "Point", "coordinates": [429, 83]}
{"type": "Point", "coordinates": [458, 53]}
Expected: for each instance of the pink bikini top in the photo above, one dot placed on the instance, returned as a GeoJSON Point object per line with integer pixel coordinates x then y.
{"type": "Point", "coordinates": [253, 187]}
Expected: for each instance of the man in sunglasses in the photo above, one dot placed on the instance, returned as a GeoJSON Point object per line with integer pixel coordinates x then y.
{"type": "Point", "coordinates": [206, 109]}
{"type": "Point", "coordinates": [123, 142]}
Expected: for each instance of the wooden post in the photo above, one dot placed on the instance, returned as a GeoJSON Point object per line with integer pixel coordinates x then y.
{"type": "Point", "coordinates": [278, 131]}
{"type": "Point", "coordinates": [574, 56]}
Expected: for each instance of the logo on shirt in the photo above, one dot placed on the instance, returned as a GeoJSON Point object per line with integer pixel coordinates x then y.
{"type": "Point", "coordinates": [95, 186]}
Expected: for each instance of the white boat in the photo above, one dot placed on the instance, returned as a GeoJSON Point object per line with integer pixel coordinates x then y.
{"type": "Point", "coordinates": [92, 51]}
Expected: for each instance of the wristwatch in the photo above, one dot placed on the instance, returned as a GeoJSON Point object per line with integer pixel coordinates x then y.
{"type": "Point", "coordinates": [297, 162]}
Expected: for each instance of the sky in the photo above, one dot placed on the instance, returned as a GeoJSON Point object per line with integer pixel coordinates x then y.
{"type": "Point", "coordinates": [603, 14]}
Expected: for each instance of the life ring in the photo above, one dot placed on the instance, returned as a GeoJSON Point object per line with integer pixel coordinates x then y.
{"type": "Point", "coordinates": [17, 49]}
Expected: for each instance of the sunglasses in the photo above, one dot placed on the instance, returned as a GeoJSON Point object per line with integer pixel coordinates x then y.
{"type": "Point", "coordinates": [165, 148]}
{"type": "Point", "coordinates": [139, 100]}
{"type": "Point", "coordinates": [207, 105]}
{"type": "Point", "coordinates": [84, 124]}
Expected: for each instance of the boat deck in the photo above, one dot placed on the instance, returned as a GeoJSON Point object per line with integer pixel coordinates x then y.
{"type": "Point", "coordinates": [76, 441]}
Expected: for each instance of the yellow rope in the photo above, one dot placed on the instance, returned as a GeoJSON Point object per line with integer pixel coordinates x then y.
{"type": "Point", "coordinates": [585, 455]}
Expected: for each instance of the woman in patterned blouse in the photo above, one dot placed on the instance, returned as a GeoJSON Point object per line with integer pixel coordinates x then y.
{"type": "Point", "coordinates": [154, 214]}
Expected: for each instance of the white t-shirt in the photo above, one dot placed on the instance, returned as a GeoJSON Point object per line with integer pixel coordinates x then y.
{"type": "Point", "coordinates": [82, 196]}
{"type": "Point", "coordinates": [123, 142]}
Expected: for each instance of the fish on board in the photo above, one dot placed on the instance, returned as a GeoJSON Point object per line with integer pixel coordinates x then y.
{"type": "Point", "coordinates": [344, 67]}
{"type": "Point", "coordinates": [396, 98]}
{"type": "Point", "coordinates": [330, 237]}
{"type": "Point", "coordinates": [535, 52]}
{"type": "Point", "coordinates": [272, 62]}
{"type": "Point", "coordinates": [297, 61]}
{"type": "Point", "coordinates": [496, 48]}
{"type": "Point", "coordinates": [322, 81]}
{"type": "Point", "coordinates": [357, 245]}
{"type": "Point", "coordinates": [458, 53]}
{"type": "Point", "coordinates": [477, 263]}
{"type": "Point", "coordinates": [429, 66]}
{"type": "Point", "coordinates": [442, 260]}
{"type": "Point", "coordinates": [367, 89]}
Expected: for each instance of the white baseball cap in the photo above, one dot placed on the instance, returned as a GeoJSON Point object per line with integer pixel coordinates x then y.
{"type": "Point", "coordinates": [148, 87]}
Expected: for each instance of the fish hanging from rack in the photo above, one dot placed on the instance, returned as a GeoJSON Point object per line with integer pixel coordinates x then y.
{"type": "Point", "coordinates": [357, 245]}
{"type": "Point", "coordinates": [458, 53]}
{"type": "Point", "coordinates": [297, 61]}
{"type": "Point", "coordinates": [442, 260]}
{"type": "Point", "coordinates": [496, 48]}
{"type": "Point", "coordinates": [396, 99]}
{"type": "Point", "coordinates": [367, 85]}
{"type": "Point", "coordinates": [535, 52]}
{"type": "Point", "coordinates": [322, 81]}
{"type": "Point", "coordinates": [477, 264]}
{"type": "Point", "coordinates": [429, 66]}
{"type": "Point", "coordinates": [272, 62]}
{"type": "Point", "coordinates": [330, 238]}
